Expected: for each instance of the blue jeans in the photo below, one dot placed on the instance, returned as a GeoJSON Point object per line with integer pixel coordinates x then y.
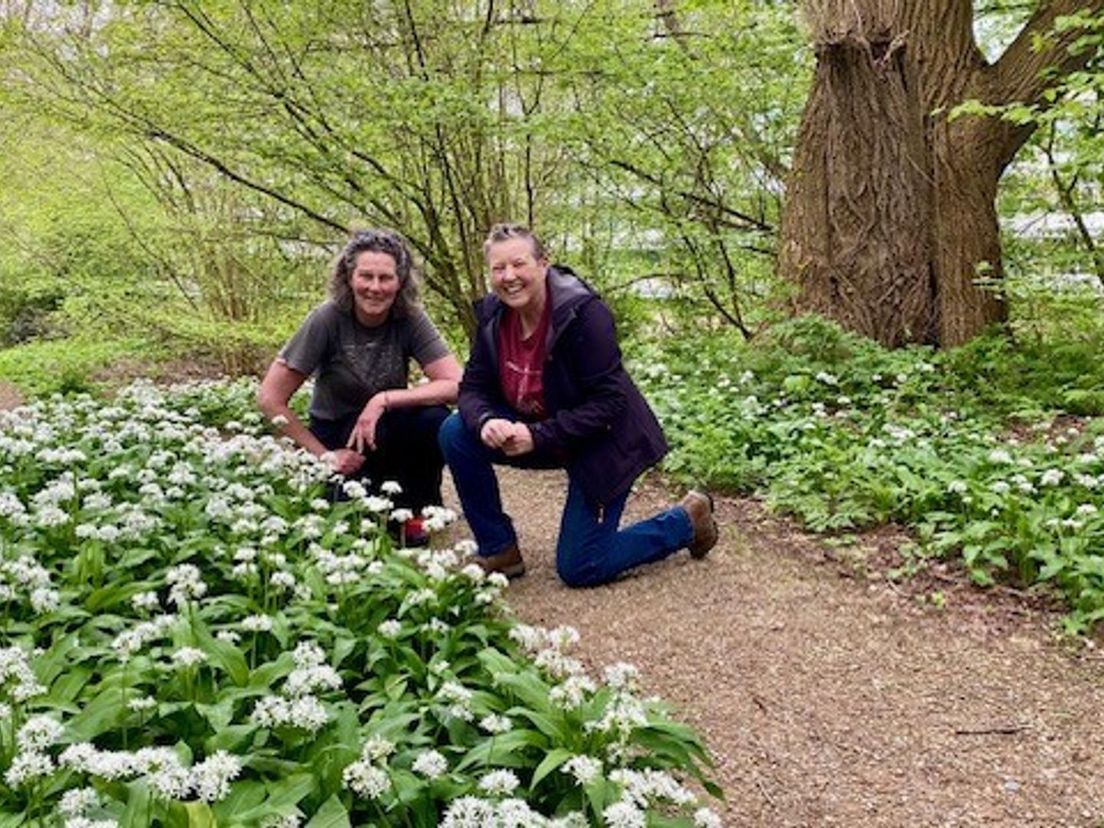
{"type": "Point", "coordinates": [591, 550]}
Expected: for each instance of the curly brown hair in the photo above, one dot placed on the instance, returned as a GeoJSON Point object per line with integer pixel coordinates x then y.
{"type": "Point", "coordinates": [379, 240]}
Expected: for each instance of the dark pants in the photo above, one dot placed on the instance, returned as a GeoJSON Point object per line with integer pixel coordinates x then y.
{"type": "Point", "coordinates": [592, 548]}
{"type": "Point", "coordinates": [406, 452]}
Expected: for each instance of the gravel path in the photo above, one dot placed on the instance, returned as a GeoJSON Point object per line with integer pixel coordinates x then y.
{"type": "Point", "coordinates": [829, 696]}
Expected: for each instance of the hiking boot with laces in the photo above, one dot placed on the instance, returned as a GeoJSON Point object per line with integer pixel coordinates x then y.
{"type": "Point", "coordinates": [699, 506]}
{"type": "Point", "coordinates": [509, 562]}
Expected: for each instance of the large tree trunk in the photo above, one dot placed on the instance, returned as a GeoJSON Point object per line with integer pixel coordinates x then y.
{"type": "Point", "coordinates": [890, 216]}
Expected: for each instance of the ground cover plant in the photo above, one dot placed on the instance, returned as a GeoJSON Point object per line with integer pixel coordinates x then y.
{"type": "Point", "coordinates": [197, 631]}
{"type": "Point", "coordinates": [66, 366]}
{"type": "Point", "coordinates": [993, 452]}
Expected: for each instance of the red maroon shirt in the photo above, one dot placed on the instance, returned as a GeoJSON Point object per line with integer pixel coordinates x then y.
{"type": "Point", "coordinates": [521, 363]}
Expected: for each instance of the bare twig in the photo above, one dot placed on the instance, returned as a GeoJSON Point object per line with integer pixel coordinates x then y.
{"type": "Point", "coordinates": [763, 790]}
{"type": "Point", "coordinates": [997, 730]}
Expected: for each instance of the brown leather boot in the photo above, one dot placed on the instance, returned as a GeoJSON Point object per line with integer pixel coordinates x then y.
{"type": "Point", "coordinates": [508, 562]}
{"type": "Point", "coordinates": [699, 506]}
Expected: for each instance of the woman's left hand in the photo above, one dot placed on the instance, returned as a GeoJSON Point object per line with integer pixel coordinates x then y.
{"type": "Point", "coordinates": [363, 435]}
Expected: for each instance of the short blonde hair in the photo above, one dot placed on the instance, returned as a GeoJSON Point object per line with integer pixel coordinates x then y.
{"type": "Point", "coordinates": [505, 232]}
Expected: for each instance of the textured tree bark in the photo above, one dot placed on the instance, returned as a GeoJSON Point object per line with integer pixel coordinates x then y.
{"type": "Point", "coordinates": [890, 212]}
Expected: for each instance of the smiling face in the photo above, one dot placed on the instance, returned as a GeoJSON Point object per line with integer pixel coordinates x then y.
{"type": "Point", "coordinates": [518, 275]}
{"type": "Point", "coordinates": [375, 284]}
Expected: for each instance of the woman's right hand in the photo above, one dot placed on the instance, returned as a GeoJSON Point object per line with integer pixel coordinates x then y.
{"type": "Point", "coordinates": [506, 436]}
{"type": "Point", "coordinates": [495, 432]}
{"type": "Point", "coordinates": [363, 436]}
{"type": "Point", "coordinates": [344, 461]}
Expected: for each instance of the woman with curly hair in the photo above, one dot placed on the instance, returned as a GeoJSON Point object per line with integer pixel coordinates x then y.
{"type": "Point", "coordinates": [365, 418]}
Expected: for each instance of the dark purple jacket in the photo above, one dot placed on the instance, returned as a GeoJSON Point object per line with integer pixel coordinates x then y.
{"type": "Point", "coordinates": [598, 425]}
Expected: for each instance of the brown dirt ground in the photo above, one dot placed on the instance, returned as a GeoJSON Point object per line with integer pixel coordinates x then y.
{"type": "Point", "coordinates": [829, 695]}
{"type": "Point", "coordinates": [9, 396]}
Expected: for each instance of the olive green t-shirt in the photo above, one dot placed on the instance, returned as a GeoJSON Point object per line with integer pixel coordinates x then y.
{"type": "Point", "coordinates": [353, 362]}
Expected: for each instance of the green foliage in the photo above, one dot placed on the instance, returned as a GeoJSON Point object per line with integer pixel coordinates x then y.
{"type": "Point", "coordinates": [202, 627]}
{"type": "Point", "coordinates": [67, 365]}
{"type": "Point", "coordinates": [978, 449]}
{"type": "Point", "coordinates": [25, 311]}
{"type": "Point", "coordinates": [242, 141]}
{"type": "Point", "coordinates": [99, 236]}
{"type": "Point", "coordinates": [685, 122]}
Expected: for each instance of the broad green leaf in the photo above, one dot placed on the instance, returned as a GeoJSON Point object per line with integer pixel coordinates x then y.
{"type": "Point", "coordinates": [244, 795]}
{"type": "Point", "coordinates": [98, 716]}
{"type": "Point", "coordinates": [551, 762]}
{"type": "Point", "coordinates": [332, 814]}
{"type": "Point", "coordinates": [200, 815]}
{"type": "Point", "coordinates": [283, 793]}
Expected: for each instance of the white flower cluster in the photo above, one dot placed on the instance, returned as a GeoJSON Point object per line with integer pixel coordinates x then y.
{"type": "Point", "coordinates": [626, 814]}
{"type": "Point", "coordinates": [185, 657]}
{"type": "Point", "coordinates": [649, 786]}
{"type": "Point", "coordinates": [17, 679]}
{"type": "Point", "coordinates": [495, 724]}
{"type": "Point", "coordinates": [549, 648]}
{"type": "Point", "coordinates": [375, 504]}
{"type": "Point", "coordinates": [79, 801]}
{"type": "Point", "coordinates": [500, 782]}
{"type": "Point", "coordinates": [305, 712]}
{"type": "Point", "coordinates": [430, 764]}
{"type": "Point", "coordinates": [285, 821]}
{"type": "Point", "coordinates": [367, 777]}
{"type": "Point", "coordinates": [311, 673]}
{"type": "Point", "coordinates": [130, 642]}
{"type": "Point", "coordinates": [1051, 477]}
{"type": "Point", "coordinates": [298, 706]}
{"type": "Point", "coordinates": [24, 579]}
{"type": "Point", "coordinates": [471, 811]}
{"type": "Point", "coordinates": [344, 569]}
{"type": "Point", "coordinates": [186, 584]}
{"type": "Point", "coordinates": [32, 762]}
{"type": "Point", "coordinates": [624, 712]}
{"type": "Point", "coordinates": [458, 700]}
{"type": "Point", "coordinates": [257, 623]}
{"type": "Point", "coordinates": [437, 518]}
{"type": "Point", "coordinates": [160, 768]}
{"type": "Point", "coordinates": [437, 564]}
{"type": "Point", "coordinates": [11, 507]}
{"type": "Point", "coordinates": [572, 692]}
{"type": "Point", "coordinates": [389, 629]}
{"type": "Point", "coordinates": [584, 768]}
{"type": "Point", "coordinates": [622, 676]}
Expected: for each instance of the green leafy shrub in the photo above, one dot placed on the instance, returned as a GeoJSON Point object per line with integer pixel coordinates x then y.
{"type": "Point", "coordinates": [51, 366]}
{"type": "Point", "coordinates": [975, 449]}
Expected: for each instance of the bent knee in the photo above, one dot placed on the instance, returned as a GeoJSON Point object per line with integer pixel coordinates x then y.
{"type": "Point", "coordinates": [580, 577]}
{"type": "Point", "coordinates": [451, 432]}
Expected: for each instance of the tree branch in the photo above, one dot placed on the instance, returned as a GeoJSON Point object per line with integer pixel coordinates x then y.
{"type": "Point", "coordinates": [1038, 55]}
{"type": "Point", "coordinates": [1033, 63]}
{"type": "Point", "coordinates": [747, 222]}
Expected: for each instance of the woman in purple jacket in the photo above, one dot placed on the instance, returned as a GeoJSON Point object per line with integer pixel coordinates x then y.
{"type": "Point", "coordinates": [545, 388]}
